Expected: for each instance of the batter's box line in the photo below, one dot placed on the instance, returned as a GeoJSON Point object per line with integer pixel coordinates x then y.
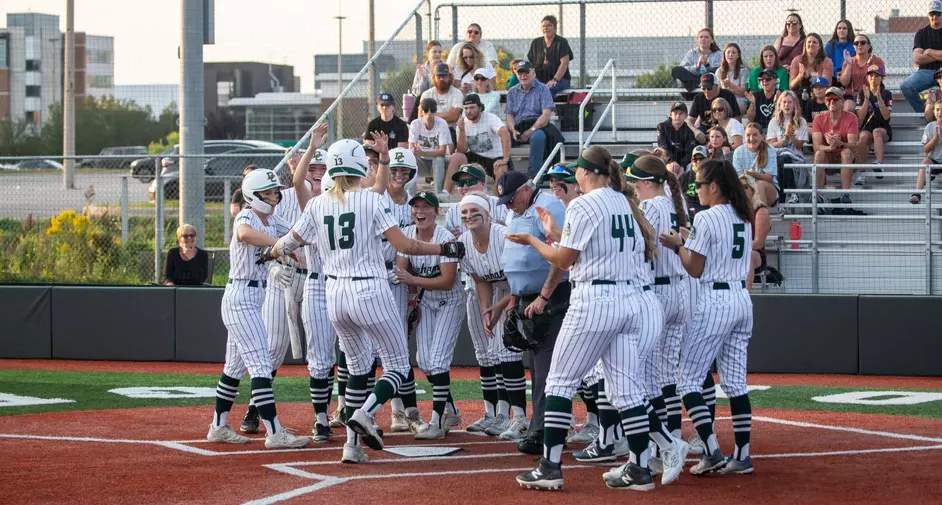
{"type": "Point", "coordinates": [848, 429]}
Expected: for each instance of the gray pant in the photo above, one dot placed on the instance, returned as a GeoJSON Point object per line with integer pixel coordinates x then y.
{"type": "Point", "coordinates": [548, 325]}
{"type": "Point", "coordinates": [433, 166]}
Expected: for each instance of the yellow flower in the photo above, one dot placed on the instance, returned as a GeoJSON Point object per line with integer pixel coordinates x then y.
{"type": "Point", "coordinates": [63, 247]}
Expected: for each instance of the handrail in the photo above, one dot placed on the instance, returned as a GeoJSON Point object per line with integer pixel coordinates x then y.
{"type": "Point", "coordinates": [549, 161]}
{"type": "Point", "coordinates": [585, 101]}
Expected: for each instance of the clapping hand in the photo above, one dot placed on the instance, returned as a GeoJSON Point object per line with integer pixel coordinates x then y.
{"type": "Point", "coordinates": [553, 233]}
{"type": "Point", "coordinates": [381, 144]}
{"type": "Point", "coordinates": [519, 238]}
{"type": "Point", "coordinates": [319, 135]}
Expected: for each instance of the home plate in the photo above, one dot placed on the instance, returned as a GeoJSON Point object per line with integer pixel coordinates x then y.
{"type": "Point", "coordinates": [421, 451]}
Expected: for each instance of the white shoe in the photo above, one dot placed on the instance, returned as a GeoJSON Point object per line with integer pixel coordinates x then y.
{"type": "Point", "coordinates": [336, 418]}
{"type": "Point", "coordinates": [655, 465]}
{"type": "Point", "coordinates": [616, 471]}
{"type": "Point", "coordinates": [399, 422]}
{"type": "Point", "coordinates": [353, 454]}
{"type": "Point", "coordinates": [695, 445]}
{"type": "Point", "coordinates": [480, 425]}
{"type": "Point", "coordinates": [793, 199]}
{"type": "Point", "coordinates": [284, 439]}
{"type": "Point", "coordinates": [673, 461]}
{"type": "Point", "coordinates": [451, 421]}
{"type": "Point", "coordinates": [363, 425]}
{"type": "Point", "coordinates": [500, 425]}
{"type": "Point", "coordinates": [586, 435]}
{"type": "Point", "coordinates": [414, 418]}
{"type": "Point", "coordinates": [517, 430]}
{"type": "Point", "coordinates": [860, 180]}
{"type": "Point", "coordinates": [621, 448]}
{"type": "Point", "coordinates": [225, 434]}
{"type": "Point", "coordinates": [429, 431]}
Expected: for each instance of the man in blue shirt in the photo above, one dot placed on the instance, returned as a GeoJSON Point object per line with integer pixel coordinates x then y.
{"type": "Point", "coordinates": [535, 286]}
{"type": "Point", "coordinates": [528, 111]}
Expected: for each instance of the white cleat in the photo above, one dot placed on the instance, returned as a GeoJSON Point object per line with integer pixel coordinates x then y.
{"type": "Point", "coordinates": [400, 422]}
{"type": "Point", "coordinates": [353, 454]}
{"type": "Point", "coordinates": [451, 421]}
{"type": "Point", "coordinates": [362, 424]}
{"type": "Point", "coordinates": [500, 425]}
{"type": "Point", "coordinates": [284, 439]}
{"type": "Point", "coordinates": [586, 435]}
{"type": "Point", "coordinates": [415, 421]}
{"type": "Point", "coordinates": [225, 434]}
{"type": "Point", "coordinates": [616, 471]}
{"type": "Point", "coordinates": [695, 445]}
{"type": "Point", "coordinates": [336, 418]}
{"type": "Point", "coordinates": [621, 448]}
{"type": "Point", "coordinates": [429, 431]}
{"type": "Point", "coordinates": [517, 430]}
{"type": "Point", "coordinates": [673, 461]}
{"type": "Point", "coordinates": [480, 425]}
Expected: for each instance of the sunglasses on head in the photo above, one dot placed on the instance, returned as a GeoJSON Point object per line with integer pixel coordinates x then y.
{"type": "Point", "coordinates": [466, 182]}
{"type": "Point", "coordinates": [793, 23]}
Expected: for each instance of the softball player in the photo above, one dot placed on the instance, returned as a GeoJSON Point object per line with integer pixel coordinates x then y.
{"type": "Point", "coordinates": [604, 243]}
{"type": "Point", "coordinates": [717, 254]}
{"type": "Point", "coordinates": [247, 347]}
{"type": "Point", "coordinates": [346, 224]}
{"type": "Point", "coordinates": [441, 307]}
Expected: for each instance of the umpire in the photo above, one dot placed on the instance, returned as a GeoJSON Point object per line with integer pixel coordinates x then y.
{"type": "Point", "coordinates": [535, 287]}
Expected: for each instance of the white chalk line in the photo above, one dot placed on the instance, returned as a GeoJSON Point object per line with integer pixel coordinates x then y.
{"type": "Point", "coordinates": [859, 431]}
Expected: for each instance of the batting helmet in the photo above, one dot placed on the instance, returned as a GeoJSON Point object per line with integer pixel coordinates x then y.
{"type": "Point", "coordinates": [518, 333]}
{"type": "Point", "coordinates": [401, 157]}
{"type": "Point", "coordinates": [347, 158]}
{"type": "Point", "coordinates": [257, 181]}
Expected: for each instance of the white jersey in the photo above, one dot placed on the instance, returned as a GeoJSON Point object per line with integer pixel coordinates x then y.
{"type": "Point", "coordinates": [347, 234]}
{"type": "Point", "coordinates": [288, 208]}
{"type": "Point", "coordinates": [402, 214]}
{"type": "Point", "coordinates": [600, 226]}
{"type": "Point", "coordinates": [660, 213]}
{"type": "Point", "coordinates": [430, 266]}
{"type": "Point", "coordinates": [242, 256]}
{"type": "Point", "coordinates": [453, 216]}
{"type": "Point", "coordinates": [486, 266]}
{"type": "Point", "coordinates": [725, 240]}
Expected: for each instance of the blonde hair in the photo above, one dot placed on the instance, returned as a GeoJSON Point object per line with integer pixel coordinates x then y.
{"type": "Point", "coordinates": [750, 182]}
{"type": "Point", "coordinates": [487, 211]}
{"type": "Point", "coordinates": [183, 228]}
{"type": "Point", "coordinates": [344, 184]}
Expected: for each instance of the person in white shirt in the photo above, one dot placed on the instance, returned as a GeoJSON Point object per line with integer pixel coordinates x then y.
{"type": "Point", "coordinates": [430, 140]}
{"type": "Point", "coordinates": [470, 60]}
{"type": "Point", "coordinates": [484, 88]}
{"type": "Point", "coordinates": [474, 36]}
{"type": "Point", "coordinates": [482, 138]}
{"type": "Point", "coordinates": [449, 99]}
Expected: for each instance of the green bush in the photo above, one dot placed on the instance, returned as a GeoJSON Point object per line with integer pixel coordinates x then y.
{"type": "Point", "coordinates": [660, 78]}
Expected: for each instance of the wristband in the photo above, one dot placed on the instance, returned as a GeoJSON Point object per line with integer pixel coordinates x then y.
{"type": "Point", "coordinates": [677, 249]}
{"type": "Point", "coordinates": [384, 162]}
{"type": "Point", "coordinates": [545, 299]}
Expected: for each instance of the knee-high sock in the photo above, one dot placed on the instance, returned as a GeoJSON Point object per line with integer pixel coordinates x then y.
{"type": "Point", "coordinates": [515, 380]}
{"type": "Point", "coordinates": [674, 409]}
{"type": "Point", "coordinates": [406, 392]}
{"type": "Point", "coordinates": [226, 390]}
{"type": "Point", "coordinates": [320, 398]}
{"type": "Point", "coordinates": [741, 411]}
{"type": "Point", "coordinates": [371, 378]}
{"type": "Point", "coordinates": [503, 398]}
{"type": "Point", "coordinates": [659, 434]}
{"type": "Point", "coordinates": [608, 418]}
{"type": "Point", "coordinates": [700, 416]}
{"type": "Point", "coordinates": [634, 423]}
{"type": "Point", "coordinates": [441, 388]}
{"type": "Point", "coordinates": [264, 398]}
{"type": "Point", "coordinates": [589, 395]}
{"type": "Point", "coordinates": [343, 375]}
{"type": "Point", "coordinates": [385, 388]}
{"type": "Point", "coordinates": [489, 390]}
{"type": "Point", "coordinates": [709, 395]}
{"type": "Point", "coordinates": [355, 396]}
{"type": "Point", "coordinates": [556, 421]}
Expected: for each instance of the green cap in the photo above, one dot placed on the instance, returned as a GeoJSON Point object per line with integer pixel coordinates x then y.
{"type": "Point", "coordinates": [628, 161]}
{"type": "Point", "coordinates": [428, 196]}
{"type": "Point", "coordinates": [471, 170]}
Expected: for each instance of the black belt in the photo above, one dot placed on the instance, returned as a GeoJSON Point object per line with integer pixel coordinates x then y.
{"type": "Point", "coordinates": [662, 281]}
{"type": "Point", "coordinates": [253, 284]}
{"type": "Point", "coordinates": [602, 282]}
{"type": "Point", "coordinates": [313, 276]}
{"type": "Point", "coordinates": [390, 265]}
{"type": "Point", "coordinates": [725, 285]}
{"type": "Point", "coordinates": [334, 277]}
{"type": "Point", "coordinates": [301, 271]}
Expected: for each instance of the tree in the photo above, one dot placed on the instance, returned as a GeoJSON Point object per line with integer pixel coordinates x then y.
{"type": "Point", "coordinates": [660, 78]}
{"type": "Point", "coordinates": [16, 139]}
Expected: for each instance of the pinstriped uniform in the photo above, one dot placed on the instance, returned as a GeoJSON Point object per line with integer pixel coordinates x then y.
{"type": "Point", "coordinates": [722, 322]}
{"type": "Point", "coordinates": [275, 310]}
{"type": "Point", "coordinates": [402, 214]}
{"type": "Point", "coordinates": [247, 348]}
{"type": "Point", "coordinates": [359, 302]}
{"type": "Point", "coordinates": [317, 326]}
{"type": "Point", "coordinates": [443, 311]}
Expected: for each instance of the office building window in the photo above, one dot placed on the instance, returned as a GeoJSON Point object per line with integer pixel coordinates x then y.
{"type": "Point", "coordinates": [223, 93]}
{"type": "Point", "coordinates": [3, 53]}
{"type": "Point", "coordinates": [100, 81]}
{"type": "Point", "coordinates": [33, 65]}
{"type": "Point", "coordinates": [100, 56]}
{"type": "Point", "coordinates": [33, 91]}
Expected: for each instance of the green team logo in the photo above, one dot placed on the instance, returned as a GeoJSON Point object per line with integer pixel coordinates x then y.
{"type": "Point", "coordinates": [271, 177]}
{"type": "Point", "coordinates": [318, 156]}
{"type": "Point", "coordinates": [693, 233]}
{"type": "Point", "coordinates": [400, 157]}
{"type": "Point", "coordinates": [423, 195]}
{"type": "Point", "coordinates": [566, 230]}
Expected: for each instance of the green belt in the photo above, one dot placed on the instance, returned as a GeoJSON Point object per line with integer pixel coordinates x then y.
{"type": "Point", "coordinates": [725, 285]}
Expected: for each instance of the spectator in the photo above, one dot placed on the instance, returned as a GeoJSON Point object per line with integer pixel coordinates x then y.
{"type": "Point", "coordinates": [756, 158]}
{"type": "Point", "coordinates": [701, 117]}
{"type": "Point", "coordinates": [471, 60]}
{"type": "Point", "coordinates": [448, 98]}
{"type": "Point", "coordinates": [388, 122]}
{"type": "Point", "coordinates": [529, 105]}
{"type": "Point", "coordinates": [474, 35]}
{"type": "Point", "coordinates": [933, 98]}
{"type": "Point", "coordinates": [927, 54]}
{"type": "Point", "coordinates": [874, 105]}
{"type": "Point", "coordinates": [722, 117]}
{"type": "Point", "coordinates": [430, 140]}
{"type": "Point", "coordinates": [186, 265]}
{"type": "Point", "coordinates": [423, 73]}
{"type": "Point", "coordinates": [853, 75]}
{"type": "Point", "coordinates": [809, 65]}
{"type": "Point", "coordinates": [688, 184]}
{"type": "Point", "coordinates": [762, 222]}
{"type": "Point", "coordinates": [677, 138]}
{"type": "Point", "coordinates": [482, 139]}
{"type": "Point", "coordinates": [237, 202]}
{"type": "Point", "coordinates": [513, 81]}
{"type": "Point", "coordinates": [484, 88]}
{"type": "Point", "coordinates": [550, 56]}
{"type": "Point", "coordinates": [841, 46]}
{"type": "Point", "coordinates": [718, 147]}
{"type": "Point", "coordinates": [762, 103]}
{"type": "Point", "coordinates": [703, 59]}
{"type": "Point", "coordinates": [788, 133]}
{"type": "Point", "coordinates": [733, 73]}
{"type": "Point", "coordinates": [932, 148]}
{"type": "Point", "coordinates": [791, 43]}
{"type": "Point", "coordinates": [768, 60]}
{"type": "Point", "coordinates": [815, 104]}
{"type": "Point", "coordinates": [834, 136]}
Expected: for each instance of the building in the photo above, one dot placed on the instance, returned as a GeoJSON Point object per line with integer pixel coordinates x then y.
{"type": "Point", "coordinates": [156, 96]}
{"type": "Point", "coordinates": [282, 118]}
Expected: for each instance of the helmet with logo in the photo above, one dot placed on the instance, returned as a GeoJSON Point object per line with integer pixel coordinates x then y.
{"type": "Point", "coordinates": [319, 158]}
{"type": "Point", "coordinates": [254, 183]}
{"type": "Point", "coordinates": [347, 158]}
{"type": "Point", "coordinates": [401, 157]}
{"type": "Point", "coordinates": [327, 182]}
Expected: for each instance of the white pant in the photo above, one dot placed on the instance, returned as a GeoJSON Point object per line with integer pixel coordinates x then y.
{"type": "Point", "coordinates": [661, 366]}
{"type": "Point", "coordinates": [247, 343]}
{"type": "Point", "coordinates": [318, 328]}
{"type": "Point", "coordinates": [489, 351]}
{"type": "Point", "coordinates": [437, 333]}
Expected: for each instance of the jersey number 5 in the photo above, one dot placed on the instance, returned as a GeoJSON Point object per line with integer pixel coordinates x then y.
{"type": "Point", "coordinates": [623, 226]}
{"type": "Point", "coordinates": [739, 240]}
{"type": "Point", "coordinates": [346, 221]}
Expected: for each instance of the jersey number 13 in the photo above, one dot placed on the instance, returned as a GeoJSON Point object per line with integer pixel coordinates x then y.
{"type": "Point", "coordinates": [345, 222]}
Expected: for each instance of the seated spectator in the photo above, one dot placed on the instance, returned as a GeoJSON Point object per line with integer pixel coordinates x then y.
{"type": "Point", "coordinates": [768, 60]}
{"type": "Point", "coordinates": [513, 81]}
{"type": "Point", "coordinates": [932, 148]}
{"type": "Point", "coordinates": [482, 139]}
{"type": "Point", "coordinates": [474, 35]}
{"type": "Point", "coordinates": [853, 74]}
{"type": "Point", "coordinates": [423, 74]}
{"type": "Point", "coordinates": [701, 116]}
{"type": "Point", "coordinates": [815, 104]}
{"type": "Point", "coordinates": [388, 122]}
{"type": "Point", "coordinates": [718, 147]}
{"type": "Point", "coordinates": [762, 103]}
{"type": "Point", "coordinates": [762, 224]}
{"type": "Point", "coordinates": [484, 88]}
{"type": "Point", "coordinates": [463, 73]}
{"type": "Point", "coordinates": [238, 202]}
{"type": "Point", "coordinates": [874, 105]}
{"type": "Point", "coordinates": [448, 97]}
{"type": "Point", "coordinates": [788, 133]}
{"type": "Point", "coordinates": [791, 44]}
{"type": "Point", "coordinates": [722, 117]}
{"type": "Point", "coordinates": [186, 265]}
{"type": "Point", "coordinates": [733, 73]}
{"type": "Point", "coordinates": [529, 106]}
{"type": "Point", "coordinates": [841, 46]}
{"type": "Point", "coordinates": [834, 136]}
{"type": "Point", "coordinates": [550, 56]}
{"type": "Point", "coordinates": [677, 138]}
{"type": "Point", "coordinates": [933, 98]}
{"type": "Point", "coordinates": [430, 140]}
{"type": "Point", "coordinates": [809, 65]}
{"type": "Point", "coordinates": [927, 54]}
{"type": "Point", "coordinates": [688, 182]}
{"type": "Point", "coordinates": [705, 58]}
{"type": "Point", "coordinates": [756, 158]}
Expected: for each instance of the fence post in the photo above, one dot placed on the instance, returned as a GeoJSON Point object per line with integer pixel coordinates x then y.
{"type": "Point", "coordinates": [582, 76]}
{"type": "Point", "coordinates": [708, 14]}
{"type": "Point", "coordinates": [158, 218]}
{"type": "Point", "coordinates": [124, 210]}
{"type": "Point", "coordinates": [614, 102]}
{"type": "Point", "coordinates": [419, 46]}
{"type": "Point", "coordinates": [454, 24]}
{"type": "Point", "coordinates": [814, 229]}
{"type": "Point", "coordinates": [928, 228]}
{"type": "Point", "coordinates": [844, 10]}
{"type": "Point", "coordinates": [227, 197]}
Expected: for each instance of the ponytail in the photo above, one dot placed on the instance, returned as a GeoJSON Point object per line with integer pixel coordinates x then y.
{"type": "Point", "coordinates": [647, 231]}
{"type": "Point", "coordinates": [726, 179]}
{"type": "Point", "coordinates": [679, 208]}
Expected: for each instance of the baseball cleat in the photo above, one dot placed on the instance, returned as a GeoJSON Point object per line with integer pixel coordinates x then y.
{"type": "Point", "coordinates": [614, 472]}
{"type": "Point", "coordinates": [284, 439]}
{"type": "Point", "coordinates": [353, 454]}
{"type": "Point", "coordinates": [414, 418]}
{"type": "Point", "coordinates": [621, 447]}
{"type": "Point", "coordinates": [250, 421]}
{"type": "Point", "coordinates": [695, 445]}
{"type": "Point", "coordinates": [709, 464]}
{"type": "Point", "coordinates": [532, 443]}
{"type": "Point", "coordinates": [500, 425]}
{"type": "Point", "coordinates": [337, 418]}
{"type": "Point", "coordinates": [546, 476]}
{"type": "Point", "coordinates": [429, 431]}
{"type": "Point", "coordinates": [321, 433]}
{"type": "Point", "coordinates": [673, 461]}
{"type": "Point", "coordinates": [633, 477]}
{"type": "Point", "coordinates": [480, 425]}
{"type": "Point", "coordinates": [361, 423]}
{"type": "Point", "coordinates": [517, 429]}
{"type": "Point", "coordinates": [586, 435]}
{"type": "Point", "coordinates": [743, 467]}
{"type": "Point", "coordinates": [225, 434]}
{"type": "Point", "coordinates": [656, 465]}
{"type": "Point", "coordinates": [399, 422]}
{"type": "Point", "coordinates": [451, 421]}
{"type": "Point", "coordinates": [595, 454]}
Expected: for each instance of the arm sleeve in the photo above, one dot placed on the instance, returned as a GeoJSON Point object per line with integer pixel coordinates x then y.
{"type": "Point", "coordinates": [700, 234]}
{"type": "Point", "coordinates": [511, 107]}
{"type": "Point", "coordinates": [714, 60]}
{"type": "Point", "coordinates": [556, 208]}
{"type": "Point", "coordinates": [579, 228]}
{"type": "Point", "coordinates": [782, 74]}
{"type": "Point", "coordinates": [739, 159]}
{"type": "Point", "coordinates": [444, 136]}
{"type": "Point", "coordinates": [494, 123]}
{"type": "Point", "coordinates": [412, 129]}
{"type": "Point", "coordinates": [772, 132]}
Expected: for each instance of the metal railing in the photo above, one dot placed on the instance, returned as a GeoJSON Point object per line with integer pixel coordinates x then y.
{"type": "Point", "coordinates": [608, 108]}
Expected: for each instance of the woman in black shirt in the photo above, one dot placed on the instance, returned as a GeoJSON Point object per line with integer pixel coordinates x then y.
{"type": "Point", "coordinates": [551, 56]}
{"type": "Point", "coordinates": [186, 265]}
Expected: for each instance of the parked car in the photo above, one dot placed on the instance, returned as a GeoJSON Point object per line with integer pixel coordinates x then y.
{"type": "Point", "coordinates": [216, 169]}
{"type": "Point", "coordinates": [143, 169]}
{"type": "Point", "coordinates": [37, 165]}
{"type": "Point", "coordinates": [131, 153]}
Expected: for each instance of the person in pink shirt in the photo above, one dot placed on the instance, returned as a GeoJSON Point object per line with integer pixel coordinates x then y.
{"type": "Point", "coordinates": [835, 139]}
{"type": "Point", "coordinates": [812, 63]}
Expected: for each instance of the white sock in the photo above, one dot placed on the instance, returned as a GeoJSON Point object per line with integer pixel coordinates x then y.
{"type": "Point", "coordinates": [396, 405]}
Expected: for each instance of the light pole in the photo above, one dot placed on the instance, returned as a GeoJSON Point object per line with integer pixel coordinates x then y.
{"type": "Point", "coordinates": [68, 99]}
{"type": "Point", "coordinates": [339, 75]}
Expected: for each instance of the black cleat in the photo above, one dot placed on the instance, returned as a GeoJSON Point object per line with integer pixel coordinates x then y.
{"type": "Point", "coordinates": [250, 421]}
{"type": "Point", "coordinates": [321, 433]}
{"type": "Point", "coordinates": [532, 443]}
{"type": "Point", "coordinates": [632, 477]}
{"type": "Point", "coordinates": [547, 476]}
